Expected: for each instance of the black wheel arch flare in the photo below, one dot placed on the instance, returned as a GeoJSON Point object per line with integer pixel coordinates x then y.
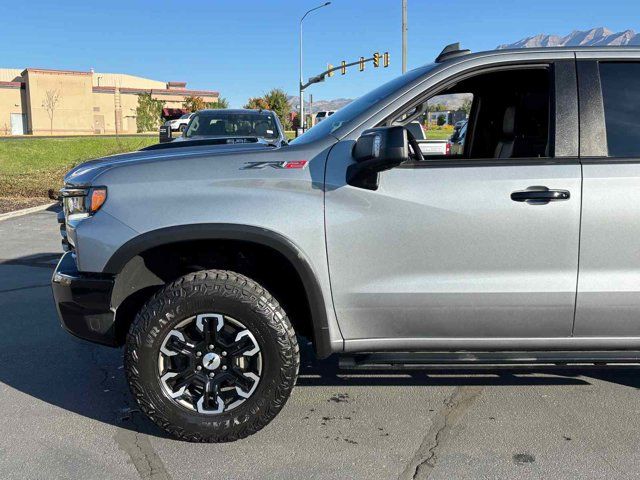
{"type": "Point", "coordinates": [247, 233]}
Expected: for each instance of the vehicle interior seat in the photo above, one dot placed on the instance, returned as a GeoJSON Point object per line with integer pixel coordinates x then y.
{"type": "Point", "coordinates": [533, 126]}
{"type": "Point", "coordinates": [505, 146]}
{"type": "Point", "coordinates": [216, 128]}
{"type": "Point", "coordinates": [243, 128]}
{"type": "Point", "coordinates": [261, 129]}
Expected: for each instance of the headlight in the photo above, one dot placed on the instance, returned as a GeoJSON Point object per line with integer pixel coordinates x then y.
{"type": "Point", "coordinates": [82, 202]}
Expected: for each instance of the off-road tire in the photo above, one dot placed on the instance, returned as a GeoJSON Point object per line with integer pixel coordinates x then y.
{"type": "Point", "coordinates": [231, 294]}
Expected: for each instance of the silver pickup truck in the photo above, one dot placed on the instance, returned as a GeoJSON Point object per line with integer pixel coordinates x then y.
{"type": "Point", "coordinates": [208, 263]}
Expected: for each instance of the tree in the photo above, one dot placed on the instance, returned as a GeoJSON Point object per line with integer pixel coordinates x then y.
{"type": "Point", "coordinates": [295, 123]}
{"type": "Point", "coordinates": [193, 104]}
{"type": "Point", "coordinates": [221, 103]}
{"type": "Point", "coordinates": [466, 106]}
{"type": "Point", "coordinates": [441, 120]}
{"type": "Point", "coordinates": [148, 113]}
{"type": "Point", "coordinates": [50, 103]}
{"type": "Point", "coordinates": [279, 103]}
{"type": "Point", "coordinates": [436, 107]}
{"type": "Point", "coordinates": [257, 103]}
{"type": "Point", "coordinates": [276, 99]}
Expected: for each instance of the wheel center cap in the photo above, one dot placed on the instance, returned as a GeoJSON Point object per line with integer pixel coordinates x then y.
{"type": "Point", "coordinates": [211, 361]}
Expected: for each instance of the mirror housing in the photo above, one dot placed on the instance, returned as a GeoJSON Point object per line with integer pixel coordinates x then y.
{"type": "Point", "coordinates": [377, 150]}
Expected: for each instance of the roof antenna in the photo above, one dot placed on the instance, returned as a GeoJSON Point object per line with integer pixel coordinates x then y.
{"type": "Point", "coordinates": [451, 51]}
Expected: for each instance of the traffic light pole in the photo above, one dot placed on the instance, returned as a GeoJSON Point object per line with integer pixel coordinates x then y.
{"type": "Point", "coordinates": [302, 122]}
{"type": "Point", "coordinates": [329, 72]}
{"type": "Point", "coordinates": [321, 76]}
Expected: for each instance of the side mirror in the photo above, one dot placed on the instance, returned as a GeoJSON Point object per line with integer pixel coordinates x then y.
{"type": "Point", "coordinates": [377, 150]}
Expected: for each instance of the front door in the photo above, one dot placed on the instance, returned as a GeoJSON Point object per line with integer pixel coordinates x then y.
{"type": "Point", "coordinates": [459, 247]}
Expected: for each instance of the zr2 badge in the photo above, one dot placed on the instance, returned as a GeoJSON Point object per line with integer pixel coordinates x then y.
{"type": "Point", "coordinates": [295, 164]}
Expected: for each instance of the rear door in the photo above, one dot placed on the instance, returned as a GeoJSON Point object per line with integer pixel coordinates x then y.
{"type": "Point", "coordinates": [443, 251]}
{"type": "Point", "coordinates": [608, 301]}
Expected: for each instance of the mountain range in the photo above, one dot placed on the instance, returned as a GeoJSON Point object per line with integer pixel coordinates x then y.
{"type": "Point", "coordinates": [318, 105]}
{"type": "Point", "coordinates": [594, 37]}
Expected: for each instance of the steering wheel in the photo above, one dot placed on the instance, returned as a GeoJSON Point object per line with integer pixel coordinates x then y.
{"type": "Point", "coordinates": [415, 147]}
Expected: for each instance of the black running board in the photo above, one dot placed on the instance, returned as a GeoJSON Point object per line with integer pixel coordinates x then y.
{"type": "Point", "coordinates": [398, 361]}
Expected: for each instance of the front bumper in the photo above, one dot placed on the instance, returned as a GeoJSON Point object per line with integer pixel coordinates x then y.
{"type": "Point", "coordinates": [83, 301]}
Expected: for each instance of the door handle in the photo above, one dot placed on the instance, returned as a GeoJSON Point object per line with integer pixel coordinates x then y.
{"type": "Point", "coordinates": [540, 195]}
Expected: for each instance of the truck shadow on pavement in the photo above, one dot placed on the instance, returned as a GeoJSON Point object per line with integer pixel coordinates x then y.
{"type": "Point", "coordinates": [40, 360]}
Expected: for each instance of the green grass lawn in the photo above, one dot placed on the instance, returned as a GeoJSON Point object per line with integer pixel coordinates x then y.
{"type": "Point", "coordinates": [438, 134]}
{"type": "Point", "coordinates": [29, 167]}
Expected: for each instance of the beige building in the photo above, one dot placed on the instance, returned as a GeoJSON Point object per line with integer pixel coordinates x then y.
{"type": "Point", "coordinates": [62, 102]}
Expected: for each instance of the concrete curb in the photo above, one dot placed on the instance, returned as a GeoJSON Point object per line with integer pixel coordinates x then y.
{"type": "Point", "coordinates": [24, 211]}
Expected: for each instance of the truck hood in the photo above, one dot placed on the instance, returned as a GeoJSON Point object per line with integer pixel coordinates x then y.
{"type": "Point", "coordinates": [84, 174]}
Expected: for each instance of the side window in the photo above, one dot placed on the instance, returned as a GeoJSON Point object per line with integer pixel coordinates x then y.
{"type": "Point", "coordinates": [621, 98]}
{"type": "Point", "coordinates": [500, 114]}
{"type": "Point", "coordinates": [513, 116]}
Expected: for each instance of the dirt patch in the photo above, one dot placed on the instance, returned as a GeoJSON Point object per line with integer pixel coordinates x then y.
{"type": "Point", "coordinates": [9, 204]}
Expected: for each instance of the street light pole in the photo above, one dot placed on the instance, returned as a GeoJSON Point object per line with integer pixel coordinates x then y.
{"type": "Point", "coordinates": [302, 122]}
{"type": "Point", "coordinates": [404, 36]}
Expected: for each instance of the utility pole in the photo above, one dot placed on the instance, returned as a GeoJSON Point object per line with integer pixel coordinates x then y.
{"type": "Point", "coordinates": [302, 122]}
{"type": "Point", "coordinates": [404, 36]}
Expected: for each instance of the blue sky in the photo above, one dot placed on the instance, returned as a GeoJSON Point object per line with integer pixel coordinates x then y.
{"type": "Point", "coordinates": [244, 48]}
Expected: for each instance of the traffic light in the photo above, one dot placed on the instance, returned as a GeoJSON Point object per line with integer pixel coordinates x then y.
{"type": "Point", "coordinates": [343, 68]}
{"type": "Point", "coordinates": [329, 67]}
{"type": "Point", "coordinates": [376, 60]}
{"type": "Point", "coordinates": [361, 64]}
{"type": "Point", "coordinates": [385, 59]}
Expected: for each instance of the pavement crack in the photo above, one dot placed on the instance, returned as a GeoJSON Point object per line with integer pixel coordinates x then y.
{"type": "Point", "coordinates": [142, 454]}
{"type": "Point", "coordinates": [136, 444]}
{"type": "Point", "coordinates": [453, 408]}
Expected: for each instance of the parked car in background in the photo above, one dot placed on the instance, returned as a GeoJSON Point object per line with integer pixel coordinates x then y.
{"type": "Point", "coordinates": [427, 147]}
{"type": "Point", "coordinates": [234, 126]}
{"type": "Point", "coordinates": [180, 124]}
{"type": "Point", "coordinates": [322, 114]}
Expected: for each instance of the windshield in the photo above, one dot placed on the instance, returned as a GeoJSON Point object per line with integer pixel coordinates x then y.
{"type": "Point", "coordinates": [225, 124]}
{"type": "Point", "coordinates": [359, 106]}
{"type": "Point", "coordinates": [186, 115]}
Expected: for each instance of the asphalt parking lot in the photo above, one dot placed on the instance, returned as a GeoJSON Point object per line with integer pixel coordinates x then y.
{"type": "Point", "coordinates": [65, 410]}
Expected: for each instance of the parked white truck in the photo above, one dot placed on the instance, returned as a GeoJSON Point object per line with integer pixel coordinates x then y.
{"type": "Point", "coordinates": [428, 147]}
